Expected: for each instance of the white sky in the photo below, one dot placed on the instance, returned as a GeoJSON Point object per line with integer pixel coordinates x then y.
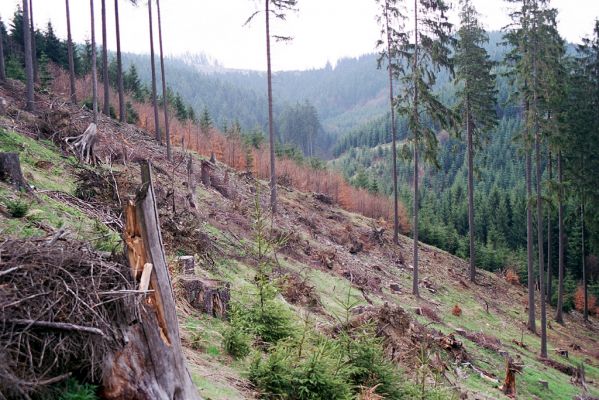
{"type": "Point", "coordinates": [323, 30]}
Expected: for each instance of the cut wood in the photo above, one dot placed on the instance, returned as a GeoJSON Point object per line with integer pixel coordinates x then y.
{"type": "Point", "coordinates": [83, 145]}
{"type": "Point", "coordinates": [207, 295]}
{"type": "Point", "coordinates": [187, 265]}
{"type": "Point", "coordinates": [10, 171]}
{"type": "Point", "coordinates": [151, 365]}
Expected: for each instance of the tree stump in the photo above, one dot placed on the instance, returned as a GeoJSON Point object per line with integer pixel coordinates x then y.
{"type": "Point", "coordinates": [209, 296]}
{"type": "Point", "coordinates": [206, 172]}
{"type": "Point", "coordinates": [151, 364]}
{"type": "Point", "coordinates": [83, 145]}
{"type": "Point", "coordinates": [187, 264]}
{"type": "Point", "coordinates": [544, 384]}
{"type": "Point", "coordinates": [3, 106]}
{"type": "Point", "coordinates": [10, 171]}
{"type": "Point", "coordinates": [509, 384]}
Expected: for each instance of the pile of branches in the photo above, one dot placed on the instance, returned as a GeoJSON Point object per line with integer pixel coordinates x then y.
{"type": "Point", "coordinates": [61, 306]}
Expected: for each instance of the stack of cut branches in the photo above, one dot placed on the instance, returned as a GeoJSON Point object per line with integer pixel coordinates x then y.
{"type": "Point", "coordinates": [61, 305]}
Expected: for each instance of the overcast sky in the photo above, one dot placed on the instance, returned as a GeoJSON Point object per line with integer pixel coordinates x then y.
{"type": "Point", "coordinates": [323, 30]}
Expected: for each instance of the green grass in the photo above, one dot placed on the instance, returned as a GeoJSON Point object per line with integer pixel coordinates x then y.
{"type": "Point", "coordinates": [211, 389]}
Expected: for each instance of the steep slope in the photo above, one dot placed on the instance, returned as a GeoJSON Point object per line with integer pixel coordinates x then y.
{"type": "Point", "coordinates": [328, 255]}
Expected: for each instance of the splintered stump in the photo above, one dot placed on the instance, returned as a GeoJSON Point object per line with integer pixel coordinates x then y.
{"type": "Point", "coordinates": [511, 369]}
{"type": "Point", "coordinates": [151, 364]}
{"type": "Point", "coordinates": [207, 295]}
{"type": "Point", "coordinates": [10, 171]}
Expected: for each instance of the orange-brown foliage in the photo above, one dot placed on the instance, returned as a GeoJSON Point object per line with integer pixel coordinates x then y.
{"type": "Point", "coordinates": [233, 152]}
{"type": "Point", "coordinates": [579, 301]}
{"type": "Point", "coordinates": [511, 276]}
{"type": "Point", "coordinates": [457, 311]}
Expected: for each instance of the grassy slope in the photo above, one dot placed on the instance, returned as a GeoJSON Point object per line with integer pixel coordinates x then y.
{"type": "Point", "coordinates": [313, 229]}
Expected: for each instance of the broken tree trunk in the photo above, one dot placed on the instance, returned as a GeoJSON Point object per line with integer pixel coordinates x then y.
{"type": "Point", "coordinates": [83, 145]}
{"type": "Point", "coordinates": [511, 369]}
{"type": "Point", "coordinates": [151, 365]}
{"type": "Point", "coordinates": [206, 172]}
{"type": "Point", "coordinates": [10, 171]}
{"type": "Point", "coordinates": [207, 295]}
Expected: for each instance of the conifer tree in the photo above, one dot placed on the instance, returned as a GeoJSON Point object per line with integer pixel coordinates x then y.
{"type": "Point", "coordinates": [94, 63]}
{"type": "Point", "coordinates": [106, 109]}
{"type": "Point", "coordinates": [33, 43]}
{"type": "Point", "coordinates": [2, 66]}
{"type": "Point", "coordinates": [424, 53]}
{"type": "Point", "coordinates": [164, 96]}
{"type": "Point", "coordinates": [119, 64]}
{"type": "Point", "coordinates": [476, 98]}
{"type": "Point", "coordinates": [390, 17]}
{"type": "Point", "coordinates": [153, 64]}
{"type": "Point", "coordinates": [70, 53]}
{"type": "Point", "coordinates": [28, 57]}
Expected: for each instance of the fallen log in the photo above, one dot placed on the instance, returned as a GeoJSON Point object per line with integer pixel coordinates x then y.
{"type": "Point", "coordinates": [151, 365]}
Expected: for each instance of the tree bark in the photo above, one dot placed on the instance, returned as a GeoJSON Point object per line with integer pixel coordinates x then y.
{"type": "Point", "coordinates": [164, 96]}
{"type": "Point", "coordinates": [470, 193]}
{"type": "Point", "coordinates": [393, 134]}
{"type": "Point", "coordinates": [33, 44]}
{"type": "Point", "coordinates": [271, 130]}
{"type": "Point", "coordinates": [2, 65]}
{"type": "Point", "coordinates": [94, 64]}
{"type": "Point", "coordinates": [28, 57]}
{"type": "Point", "coordinates": [415, 289]}
{"type": "Point", "coordinates": [549, 269]}
{"type": "Point", "coordinates": [70, 54]}
{"type": "Point", "coordinates": [529, 247]}
{"type": "Point", "coordinates": [154, 101]}
{"type": "Point", "coordinates": [119, 64]}
{"type": "Point", "coordinates": [10, 171]}
{"type": "Point", "coordinates": [151, 365]}
{"type": "Point", "coordinates": [105, 62]}
{"type": "Point", "coordinates": [584, 269]}
{"type": "Point", "coordinates": [540, 244]}
{"type": "Point", "coordinates": [560, 291]}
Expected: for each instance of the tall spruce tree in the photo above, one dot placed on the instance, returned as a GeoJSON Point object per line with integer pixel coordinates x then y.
{"type": "Point", "coordinates": [28, 57]}
{"type": "Point", "coordinates": [70, 54]}
{"type": "Point", "coordinates": [476, 98]}
{"type": "Point", "coordinates": [106, 108]}
{"type": "Point", "coordinates": [423, 54]}
{"type": "Point", "coordinates": [164, 94]}
{"type": "Point", "coordinates": [119, 64]}
{"type": "Point", "coordinates": [33, 43]}
{"type": "Point", "coordinates": [153, 65]}
{"type": "Point", "coordinates": [391, 20]}
{"type": "Point", "coordinates": [2, 65]}
{"type": "Point", "coordinates": [278, 9]}
{"type": "Point", "coordinates": [94, 62]}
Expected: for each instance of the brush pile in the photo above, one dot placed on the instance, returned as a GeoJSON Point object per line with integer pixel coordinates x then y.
{"type": "Point", "coordinates": [61, 306]}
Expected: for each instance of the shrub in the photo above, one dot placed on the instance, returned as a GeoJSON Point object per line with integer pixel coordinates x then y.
{"type": "Point", "coordinates": [132, 114]}
{"type": "Point", "coordinates": [78, 391]}
{"type": "Point", "coordinates": [270, 321]}
{"type": "Point", "coordinates": [17, 208]}
{"type": "Point", "coordinates": [236, 342]}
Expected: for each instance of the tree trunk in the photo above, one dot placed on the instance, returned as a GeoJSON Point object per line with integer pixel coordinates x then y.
{"type": "Point", "coordinates": [94, 64]}
{"type": "Point", "coordinates": [540, 244]}
{"type": "Point", "coordinates": [271, 130]}
{"type": "Point", "coordinates": [549, 269]}
{"type": "Point", "coordinates": [154, 101]}
{"type": "Point", "coordinates": [393, 134]}
{"type": "Point", "coordinates": [415, 289]}
{"type": "Point", "coordinates": [151, 365]}
{"type": "Point", "coordinates": [207, 295]}
{"type": "Point", "coordinates": [2, 65]}
{"type": "Point", "coordinates": [560, 251]}
{"type": "Point", "coordinates": [164, 96]}
{"type": "Point", "coordinates": [33, 44]}
{"type": "Point", "coordinates": [28, 57]}
{"type": "Point", "coordinates": [70, 53]}
{"type": "Point", "coordinates": [105, 62]}
{"type": "Point", "coordinates": [119, 64]}
{"type": "Point", "coordinates": [529, 248]}
{"type": "Point", "coordinates": [509, 385]}
{"type": "Point", "coordinates": [10, 171]}
{"type": "Point", "coordinates": [471, 193]}
{"type": "Point", "coordinates": [584, 269]}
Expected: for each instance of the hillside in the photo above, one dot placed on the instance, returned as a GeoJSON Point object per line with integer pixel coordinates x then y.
{"type": "Point", "coordinates": [332, 263]}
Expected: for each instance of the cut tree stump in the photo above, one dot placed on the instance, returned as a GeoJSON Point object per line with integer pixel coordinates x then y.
{"type": "Point", "coordinates": [187, 265]}
{"type": "Point", "coordinates": [10, 171]}
{"type": "Point", "coordinates": [151, 364]}
{"type": "Point", "coordinates": [83, 145]}
{"type": "Point", "coordinates": [207, 295]}
{"type": "Point", "coordinates": [206, 172]}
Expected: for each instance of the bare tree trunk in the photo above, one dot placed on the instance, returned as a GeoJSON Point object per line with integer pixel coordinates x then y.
{"type": "Point", "coordinates": [2, 66]}
{"type": "Point", "coordinates": [415, 289]}
{"type": "Point", "coordinates": [28, 56]}
{"type": "Point", "coordinates": [10, 171]}
{"type": "Point", "coordinates": [393, 134]}
{"type": "Point", "coordinates": [71, 56]}
{"type": "Point", "coordinates": [471, 193]}
{"type": "Point", "coordinates": [164, 96]}
{"type": "Point", "coordinates": [271, 131]}
{"type": "Point", "coordinates": [584, 268]}
{"type": "Point", "coordinates": [549, 269]}
{"type": "Point", "coordinates": [154, 101]}
{"type": "Point", "coordinates": [540, 244]}
{"type": "Point", "coordinates": [560, 291]}
{"type": "Point", "coordinates": [94, 63]}
{"type": "Point", "coordinates": [105, 62]}
{"type": "Point", "coordinates": [119, 64]}
{"type": "Point", "coordinates": [33, 44]}
{"type": "Point", "coordinates": [529, 248]}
